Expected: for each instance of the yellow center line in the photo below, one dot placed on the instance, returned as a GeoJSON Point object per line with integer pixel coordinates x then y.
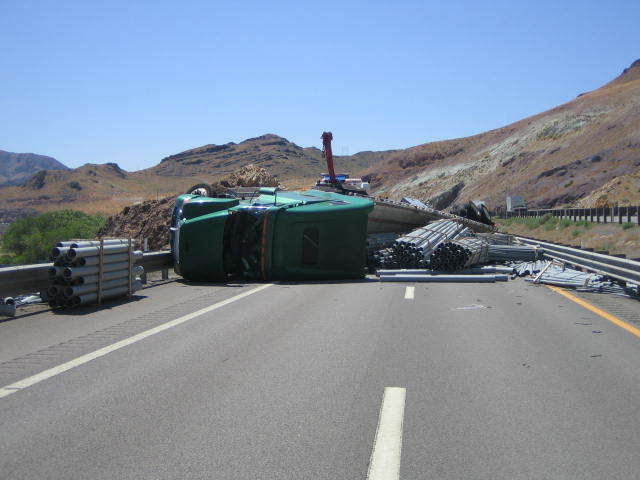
{"type": "Point", "coordinates": [597, 311]}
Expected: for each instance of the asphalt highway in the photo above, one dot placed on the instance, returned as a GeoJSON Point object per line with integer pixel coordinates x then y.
{"type": "Point", "coordinates": [333, 380]}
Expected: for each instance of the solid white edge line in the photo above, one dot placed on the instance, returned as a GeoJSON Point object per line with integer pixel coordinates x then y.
{"type": "Point", "coordinates": [409, 293]}
{"type": "Point", "coordinates": [39, 377]}
{"type": "Point", "coordinates": [387, 446]}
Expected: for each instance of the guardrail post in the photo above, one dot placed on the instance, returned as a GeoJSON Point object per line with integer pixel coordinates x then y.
{"type": "Point", "coordinates": [619, 216]}
{"type": "Point", "coordinates": [165, 274]}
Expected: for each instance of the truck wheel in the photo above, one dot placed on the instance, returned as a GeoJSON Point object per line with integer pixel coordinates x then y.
{"type": "Point", "coordinates": [202, 189]}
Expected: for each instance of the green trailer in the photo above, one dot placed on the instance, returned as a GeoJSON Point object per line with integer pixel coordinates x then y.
{"type": "Point", "coordinates": [280, 235]}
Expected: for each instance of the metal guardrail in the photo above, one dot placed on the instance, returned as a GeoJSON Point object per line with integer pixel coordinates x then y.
{"type": "Point", "coordinates": [597, 215]}
{"type": "Point", "coordinates": [618, 268]}
{"type": "Point", "coordinates": [34, 278]}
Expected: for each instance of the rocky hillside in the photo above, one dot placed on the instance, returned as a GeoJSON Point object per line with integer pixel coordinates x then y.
{"type": "Point", "coordinates": [584, 152]}
{"type": "Point", "coordinates": [16, 168]}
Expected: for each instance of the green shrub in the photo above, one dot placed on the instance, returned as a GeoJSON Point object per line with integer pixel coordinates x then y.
{"type": "Point", "coordinates": [566, 222]}
{"type": "Point", "coordinates": [628, 225]}
{"type": "Point", "coordinates": [551, 224]}
{"type": "Point", "coordinates": [584, 223]}
{"type": "Point", "coordinates": [30, 239]}
{"type": "Point", "coordinates": [545, 218]}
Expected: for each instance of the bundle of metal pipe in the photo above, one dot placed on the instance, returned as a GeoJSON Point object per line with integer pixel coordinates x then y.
{"type": "Point", "coordinates": [524, 253]}
{"type": "Point", "coordinates": [414, 249]}
{"type": "Point", "coordinates": [459, 253]}
{"type": "Point", "coordinates": [377, 241]}
{"type": "Point", "coordinates": [384, 258]}
{"type": "Point", "coordinates": [84, 272]}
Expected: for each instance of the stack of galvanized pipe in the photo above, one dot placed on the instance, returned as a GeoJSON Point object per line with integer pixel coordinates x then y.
{"type": "Point", "coordinates": [459, 253]}
{"type": "Point", "coordinates": [91, 271]}
{"type": "Point", "coordinates": [415, 248]}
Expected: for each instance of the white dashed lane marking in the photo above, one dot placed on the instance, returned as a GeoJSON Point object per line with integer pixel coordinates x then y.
{"type": "Point", "coordinates": [409, 293]}
{"type": "Point", "coordinates": [387, 446]}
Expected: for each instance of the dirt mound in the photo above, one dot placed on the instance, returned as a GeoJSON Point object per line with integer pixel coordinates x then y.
{"type": "Point", "coordinates": [148, 220]}
{"type": "Point", "coordinates": [251, 176]}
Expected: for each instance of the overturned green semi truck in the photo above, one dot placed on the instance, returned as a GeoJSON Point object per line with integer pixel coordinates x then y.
{"type": "Point", "coordinates": [279, 235]}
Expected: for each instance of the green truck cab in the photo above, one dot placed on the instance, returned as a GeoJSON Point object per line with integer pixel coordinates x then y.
{"type": "Point", "coordinates": [279, 235]}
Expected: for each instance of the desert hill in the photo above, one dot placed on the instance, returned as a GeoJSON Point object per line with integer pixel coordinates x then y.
{"type": "Point", "coordinates": [15, 168]}
{"type": "Point", "coordinates": [285, 160]}
{"type": "Point", "coordinates": [584, 152]}
{"type": "Point", "coordinates": [91, 188]}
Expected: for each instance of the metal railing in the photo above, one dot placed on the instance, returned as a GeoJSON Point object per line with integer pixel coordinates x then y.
{"type": "Point", "coordinates": [595, 215]}
{"type": "Point", "coordinates": [615, 267]}
{"type": "Point", "coordinates": [25, 279]}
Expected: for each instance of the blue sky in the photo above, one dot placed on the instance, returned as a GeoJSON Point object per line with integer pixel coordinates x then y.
{"type": "Point", "coordinates": [134, 81]}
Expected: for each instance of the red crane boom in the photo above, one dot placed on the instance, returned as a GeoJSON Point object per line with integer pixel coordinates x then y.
{"type": "Point", "coordinates": [326, 149]}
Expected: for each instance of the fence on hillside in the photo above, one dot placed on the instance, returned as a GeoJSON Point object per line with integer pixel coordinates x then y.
{"type": "Point", "coordinates": [596, 215]}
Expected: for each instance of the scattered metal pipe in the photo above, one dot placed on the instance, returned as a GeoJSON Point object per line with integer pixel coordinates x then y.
{"type": "Point", "coordinates": [467, 271]}
{"type": "Point", "coordinates": [445, 278]}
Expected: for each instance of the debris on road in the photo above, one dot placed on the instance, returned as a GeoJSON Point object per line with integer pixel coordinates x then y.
{"type": "Point", "coordinates": [442, 251]}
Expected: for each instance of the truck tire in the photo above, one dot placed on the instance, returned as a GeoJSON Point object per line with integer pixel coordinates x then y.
{"type": "Point", "coordinates": [202, 189]}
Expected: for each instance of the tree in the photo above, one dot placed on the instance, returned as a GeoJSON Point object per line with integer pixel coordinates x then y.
{"type": "Point", "coordinates": [30, 239]}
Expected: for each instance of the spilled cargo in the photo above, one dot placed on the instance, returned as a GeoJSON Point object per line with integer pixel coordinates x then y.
{"type": "Point", "coordinates": [278, 235]}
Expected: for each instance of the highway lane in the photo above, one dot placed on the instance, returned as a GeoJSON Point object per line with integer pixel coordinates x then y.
{"type": "Point", "coordinates": [502, 381]}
